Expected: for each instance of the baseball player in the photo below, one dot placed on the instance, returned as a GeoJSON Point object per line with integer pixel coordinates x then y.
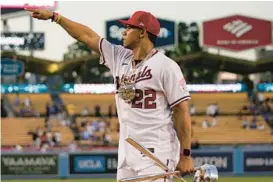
{"type": "Point", "coordinates": [151, 90]}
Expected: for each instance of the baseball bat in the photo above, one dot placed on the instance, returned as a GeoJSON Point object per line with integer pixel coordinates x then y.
{"type": "Point", "coordinates": [146, 152]}
{"type": "Point", "coordinates": [148, 177]}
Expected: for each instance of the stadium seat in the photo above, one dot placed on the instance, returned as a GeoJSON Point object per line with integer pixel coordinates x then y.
{"type": "Point", "coordinates": [15, 131]}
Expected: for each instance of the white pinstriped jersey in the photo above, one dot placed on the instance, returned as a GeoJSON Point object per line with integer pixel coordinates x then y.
{"type": "Point", "coordinates": [159, 86]}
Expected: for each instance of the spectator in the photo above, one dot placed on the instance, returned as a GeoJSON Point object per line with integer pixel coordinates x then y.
{"type": "Point", "coordinates": [212, 112]}
{"type": "Point", "coordinates": [17, 100]}
{"type": "Point", "coordinates": [83, 124]}
{"type": "Point", "coordinates": [245, 124]}
{"type": "Point", "coordinates": [249, 87]}
{"type": "Point", "coordinates": [205, 124]}
{"type": "Point", "coordinates": [85, 111]}
{"type": "Point", "coordinates": [97, 111]}
{"type": "Point", "coordinates": [101, 126]}
{"type": "Point", "coordinates": [44, 148]}
{"type": "Point", "coordinates": [34, 135]}
{"type": "Point", "coordinates": [260, 98]}
{"type": "Point", "coordinates": [260, 126]}
{"type": "Point", "coordinates": [50, 139]}
{"type": "Point", "coordinates": [4, 113]}
{"type": "Point", "coordinates": [47, 113]}
{"type": "Point", "coordinates": [110, 111]}
{"type": "Point", "coordinates": [27, 102]}
{"type": "Point", "coordinates": [72, 147]}
{"type": "Point", "coordinates": [192, 109]}
{"type": "Point", "coordinates": [195, 144]}
{"type": "Point", "coordinates": [44, 138]}
{"type": "Point", "coordinates": [18, 148]}
{"type": "Point", "coordinates": [107, 138]}
{"type": "Point", "coordinates": [57, 136]}
{"type": "Point", "coordinates": [85, 134]}
{"type": "Point", "coordinates": [76, 131]}
{"type": "Point", "coordinates": [253, 125]}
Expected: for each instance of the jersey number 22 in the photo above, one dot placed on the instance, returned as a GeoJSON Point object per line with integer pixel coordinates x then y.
{"type": "Point", "coordinates": [145, 99]}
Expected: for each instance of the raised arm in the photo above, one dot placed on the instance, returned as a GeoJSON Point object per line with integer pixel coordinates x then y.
{"type": "Point", "coordinates": [76, 30]}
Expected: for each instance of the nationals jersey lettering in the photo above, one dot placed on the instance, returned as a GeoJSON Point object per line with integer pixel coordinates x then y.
{"type": "Point", "coordinates": [160, 85]}
{"type": "Point", "coordinates": [134, 78]}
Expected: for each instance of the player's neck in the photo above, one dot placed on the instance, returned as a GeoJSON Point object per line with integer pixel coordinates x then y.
{"type": "Point", "coordinates": [141, 51]}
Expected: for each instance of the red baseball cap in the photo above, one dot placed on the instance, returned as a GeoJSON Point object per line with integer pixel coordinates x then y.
{"type": "Point", "coordinates": [143, 20]}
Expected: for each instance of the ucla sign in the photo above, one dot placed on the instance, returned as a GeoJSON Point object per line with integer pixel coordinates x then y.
{"type": "Point", "coordinates": [166, 37]}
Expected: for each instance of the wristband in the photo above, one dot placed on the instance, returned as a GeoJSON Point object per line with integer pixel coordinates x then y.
{"type": "Point", "coordinates": [185, 152]}
{"type": "Point", "coordinates": [58, 19]}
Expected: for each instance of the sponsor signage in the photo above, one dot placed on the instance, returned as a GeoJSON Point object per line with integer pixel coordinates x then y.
{"type": "Point", "coordinates": [10, 67]}
{"type": "Point", "coordinates": [237, 33]}
{"type": "Point", "coordinates": [222, 160]}
{"type": "Point", "coordinates": [258, 161]}
{"type": "Point", "coordinates": [88, 163]}
{"type": "Point", "coordinates": [111, 88]}
{"type": "Point", "coordinates": [23, 88]}
{"type": "Point", "coordinates": [265, 87]}
{"type": "Point", "coordinates": [216, 87]}
{"type": "Point", "coordinates": [36, 164]}
{"type": "Point", "coordinates": [166, 37]}
{"type": "Point", "coordinates": [22, 41]}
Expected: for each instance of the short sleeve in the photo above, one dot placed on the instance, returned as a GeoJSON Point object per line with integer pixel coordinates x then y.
{"type": "Point", "coordinates": [174, 85]}
{"type": "Point", "coordinates": [111, 54]}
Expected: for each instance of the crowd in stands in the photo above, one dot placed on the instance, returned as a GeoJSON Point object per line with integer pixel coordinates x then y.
{"type": "Point", "coordinates": [96, 130]}
{"type": "Point", "coordinates": [95, 126]}
{"type": "Point", "coordinates": [212, 112]}
{"type": "Point", "coordinates": [257, 105]}
{"type": "Point", "coordinates": [25, 107]}
{"type": "Point", "coordinates": [43, 139]}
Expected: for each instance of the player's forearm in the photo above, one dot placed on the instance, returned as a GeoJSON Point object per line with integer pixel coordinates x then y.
{"type": "Point", "coordinates": [182, 124]}
{"type": "Point", "coordinates": [80, 32]}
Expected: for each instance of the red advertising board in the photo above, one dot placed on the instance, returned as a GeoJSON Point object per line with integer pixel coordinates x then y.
{"type": "Point", "coordinates": [237, 33]}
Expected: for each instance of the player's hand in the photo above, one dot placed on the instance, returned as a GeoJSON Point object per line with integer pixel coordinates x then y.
{"type": "Point", "coordinates": [40, 14]}
{"type": "Point", "coordinates": [185, 165]}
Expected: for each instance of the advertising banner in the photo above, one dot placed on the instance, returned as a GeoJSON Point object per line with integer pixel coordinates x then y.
{"type": "Point", "coordinates": [265, 87]}
{"type": "Point", "coordinates": [110, 88]}
{"type": "Point", "coordinates": [10, 67]}
{"type": "Point", "coordinates": [33, 164]}
{"type": "Point", "coordinates": [237, 33]}
{"type": "Point", "coordinates": [222, 160]}
{"type": "Point", "coordinates": [258, 161]}
{"type": "Point", "coordinates": [166, 37]}
{"type": "Point", "coordinates": [92, 163]}
{"type": "Point", "coordinates": [23, 41]}
{"type": "Point", "coordinates": [23, 88]}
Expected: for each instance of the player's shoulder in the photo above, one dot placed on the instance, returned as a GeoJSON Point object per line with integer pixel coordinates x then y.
{"type": "Point", "coordinates": [164, 61]}
{"type": "Point", "coordinates": [118, 49]}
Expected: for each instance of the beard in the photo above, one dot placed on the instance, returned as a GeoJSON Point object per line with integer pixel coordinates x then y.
{"type": "Point", "coordinates": [126, 45]}
{"type": "Point", "coordinates": [129, 44]}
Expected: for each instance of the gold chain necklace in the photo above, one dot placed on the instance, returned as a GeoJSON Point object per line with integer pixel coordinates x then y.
{"type": "Point", "coordinates": [127, 90]}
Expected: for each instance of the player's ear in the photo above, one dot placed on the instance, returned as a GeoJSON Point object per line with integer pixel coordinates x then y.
{"type": "Point", "coordinates": [142, 33]}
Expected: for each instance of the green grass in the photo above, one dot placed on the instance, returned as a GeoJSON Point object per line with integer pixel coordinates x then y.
{"type": "Point", "coordinates": [221, 179]}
